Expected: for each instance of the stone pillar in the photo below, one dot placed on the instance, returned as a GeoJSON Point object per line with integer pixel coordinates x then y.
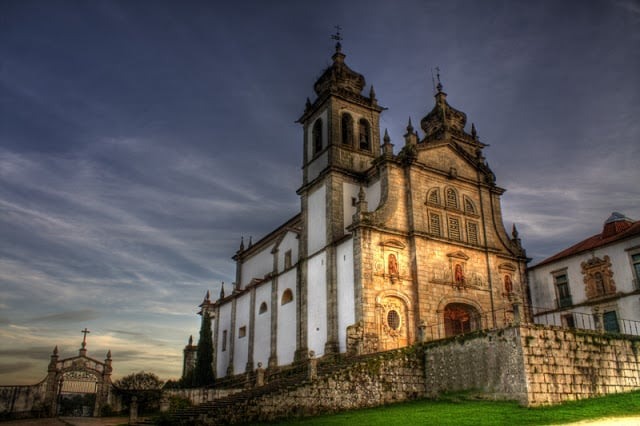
{"type": "Point", "coordinates": [516, 313]}
{"type": "Point", "coordinates": [232, 336]}
{"type": "Point", "coordinates": [312, 372]}
{"type": "Point", "coordinates": [422, 328]}
{"type": "Point", "coordinates": [252, 325]}
{"type": "Point", "coordinates": [259, 375]}
{"type": "Point", "coordinates": [598, 319]}
{"type": "Point", "coordinates": [133, 410]}
{"type": "Point", "coordinates": [164, 403]}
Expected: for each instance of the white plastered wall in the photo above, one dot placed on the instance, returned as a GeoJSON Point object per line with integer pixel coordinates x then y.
{"type": "Point", "coordinates": [241, 347]}
{"type": "Point", "coordinates": [286, 339]}
{"type": "Point", "coordinates": [257, 266]}
{"type": "Point", "coordinates": [346, 304]}
{"type": "Point", "coordinates": [317, 303]}
{"type": "Point", "coordinates": [350, 191]}
{"type": "Point", "coordinates": [317, 229]}
{"type": "Point", "coordinates": [262, 331]}
{"type": "Point", "coordinates": [224, 324]}
{"type": "Point", "coordinates": [289, 242]}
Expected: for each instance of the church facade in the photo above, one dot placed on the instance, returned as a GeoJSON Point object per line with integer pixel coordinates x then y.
{"type": "Point", "coordinates": [388, 248]}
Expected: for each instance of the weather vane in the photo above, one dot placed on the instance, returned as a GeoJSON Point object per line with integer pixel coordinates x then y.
{"type": "Point", "coordinates": [337, 37]}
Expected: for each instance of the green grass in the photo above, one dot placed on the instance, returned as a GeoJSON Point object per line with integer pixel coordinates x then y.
{"type": "Point", "coordinates": [462, 409]}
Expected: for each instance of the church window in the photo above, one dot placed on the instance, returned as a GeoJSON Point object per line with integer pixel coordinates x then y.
{"type": "Point", "coordinates": [469, 207]}
{"type": "Point", "coordinates": [263, 308]}
{"type": "Point", "coordinates": [287, 297]}
{"type": "Point", "coordinates": [317, 136]}
{"type": "Point", "coordinates": [224, 340]}
{"type": "Point", "coordinates": [242, 332]}
{"type": "Point", "coordinates": [393, 319]}
{"type": "Point", "coordinates": [454, 228]}
{"type": "Point", "coordinates": [434, 224]}
{"type": "Point", "coordinates": [452, 198]}
{"type": "Point", "coordinates": [287, 259]}
{"type": "Point", "coordinates": [434, 196]}
{"type": "Point", "coordinates": [347, 129]}
{"type": "Point", "coordinates": [472, 233]}
{"type": "Point", "coordinates": [364, 134]}
{"type": "Point", "coordinates": [562, 285]}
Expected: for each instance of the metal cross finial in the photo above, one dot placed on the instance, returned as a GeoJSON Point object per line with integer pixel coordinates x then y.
{"type": "Point", "coordinates": [439, 86]}
{"type": "Point", "coordinates": [84, 338]}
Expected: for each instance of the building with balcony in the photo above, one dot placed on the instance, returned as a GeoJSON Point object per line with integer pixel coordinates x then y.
{"type": "Point", "coordinates": [594, 284]}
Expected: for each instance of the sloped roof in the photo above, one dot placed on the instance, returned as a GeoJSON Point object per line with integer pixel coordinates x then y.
{"type": "Point", "coordinates": [617, 227]}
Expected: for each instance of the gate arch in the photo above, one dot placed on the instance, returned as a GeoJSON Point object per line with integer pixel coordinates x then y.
{"type": "Point", "coordinates": [79, 375]}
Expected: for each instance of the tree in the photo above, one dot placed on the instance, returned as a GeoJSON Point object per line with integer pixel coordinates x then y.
{"type": "Point", "coordinates": [139, 381]}
{"type": "Point", "coordinates": [203, 372]}
{"type": "Point", "coordinates": [146, 387]}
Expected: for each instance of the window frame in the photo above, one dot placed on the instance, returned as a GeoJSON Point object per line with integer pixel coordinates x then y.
{"type": "Point", "coordinates": [564, 299]}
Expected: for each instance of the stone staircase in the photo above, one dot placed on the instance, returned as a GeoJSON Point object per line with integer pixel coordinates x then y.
{"type": "Point", "coordinates": [291, 380]}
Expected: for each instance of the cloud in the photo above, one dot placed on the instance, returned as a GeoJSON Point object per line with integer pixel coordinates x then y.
{"type": "Point", "coordinates": [15, 367]}
{"type": "Point", "coordinates": [70, 316]}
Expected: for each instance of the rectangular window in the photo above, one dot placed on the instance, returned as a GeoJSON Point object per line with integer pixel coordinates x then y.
{"type": "Point", "coordinates": [562, 285]}
{"type": "Point", "coordinates": [434, 223]}
{"type": "Point", "coordinates": [610, 320]}
{"type": "Point", "coordinates": [568, 321]}
{"type": "Point", "coordinates": [224, 340]}
{"type": "Point", "coordinates": [472, 233]}
{"type": "Point", "coordinates": [242, 332]}
{"type": "Point", "coordinates": [287, 259]}
{"type": "Point", "coordinates": [635, 260]}
{"type": "Point", "coordinates": [454, 228]}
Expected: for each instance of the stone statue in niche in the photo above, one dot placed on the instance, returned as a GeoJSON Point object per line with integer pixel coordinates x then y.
{"type": "Point", "coordinates": [508, 284]}
{"type": "Point", "coordinates": [393, 265]}
{"type": "Point", "coordinates": [458, 275]}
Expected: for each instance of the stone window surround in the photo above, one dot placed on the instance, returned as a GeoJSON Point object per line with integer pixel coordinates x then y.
{"type": "Point", "coordinates": [567, 300]}
{"type": "Point", "coordinates": [635, 265]}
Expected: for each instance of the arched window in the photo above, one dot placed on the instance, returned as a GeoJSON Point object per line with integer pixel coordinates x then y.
{"type": "Point", "coordinates": [263, 308]}
{"type": "Point", "coordinates": [317, 136]}
{"type": "Point", "coordinates": [452, 198]}
{"type": "Point", "coordinates": [364, 133]}
{"type": "Point", "coordinates": [347, 129]}
{"type": "Point", "coordinates": [434, 196]}
{"type": "Point", "coordinates": [287, 297]}
{"type": "Point", "coordinates": [468, 206]}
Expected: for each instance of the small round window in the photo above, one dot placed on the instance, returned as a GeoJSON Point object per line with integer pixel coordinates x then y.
{"type": "Point", "coordinates": [393, 320]}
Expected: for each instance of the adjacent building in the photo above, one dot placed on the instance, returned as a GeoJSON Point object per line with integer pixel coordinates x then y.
{"type": "Point", "coordinates": [593, 284]}
{"type": "Point", "coordinates": [387, 249]}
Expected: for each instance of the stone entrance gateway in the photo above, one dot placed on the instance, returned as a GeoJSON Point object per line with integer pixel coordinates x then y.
{"type": "Point", "coordinates": [79, 375]}
{"type": "Point", "coordinates": [461, 318]}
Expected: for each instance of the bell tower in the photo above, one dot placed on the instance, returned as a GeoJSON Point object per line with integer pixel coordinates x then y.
{"type": "Point", "coordinates": [341, 127]}
{"type": "Point", "coordinates": [341, 141]}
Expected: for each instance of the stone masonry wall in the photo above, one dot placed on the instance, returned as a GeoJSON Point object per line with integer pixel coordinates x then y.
{"type": "Point", "coordinates": [536, 365]}
{"type": "Point", "coordinates": [564, 365]}
{"type": "Point", "coordinates": [200, 395]}
{"type": "Point", "coordinates": [382, 379]}
{"type": "Point", "coordinates": [490, 362]}
{"type": "Point", "coordinates": [22, 401]}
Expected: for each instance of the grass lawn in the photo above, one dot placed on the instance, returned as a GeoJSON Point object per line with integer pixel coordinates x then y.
{"type": "Point", "coordinates": [461, 409]}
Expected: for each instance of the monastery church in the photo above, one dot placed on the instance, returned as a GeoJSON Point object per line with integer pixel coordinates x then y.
{"type": "Point", "coordinates": [388, 248]}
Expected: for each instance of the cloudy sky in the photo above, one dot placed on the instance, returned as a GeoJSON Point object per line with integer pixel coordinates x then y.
{"type": "Point", "coordinates": [140, 140]}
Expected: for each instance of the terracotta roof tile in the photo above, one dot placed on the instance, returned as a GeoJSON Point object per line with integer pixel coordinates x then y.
{"type": "Point", "coordinates": [611, 233]}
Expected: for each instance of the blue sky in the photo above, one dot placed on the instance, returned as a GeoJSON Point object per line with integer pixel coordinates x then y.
{"type": "Point", "coordinates": [140, 140]}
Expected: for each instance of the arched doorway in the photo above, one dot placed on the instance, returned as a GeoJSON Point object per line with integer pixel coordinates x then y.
{"type": "Point", "coordinates": [77, 397]}
{"type": "Point", "coordinates": [460, 318]}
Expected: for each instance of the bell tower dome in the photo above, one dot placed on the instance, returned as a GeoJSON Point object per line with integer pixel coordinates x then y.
{"type": "Point", "coordinates": [341, 126]}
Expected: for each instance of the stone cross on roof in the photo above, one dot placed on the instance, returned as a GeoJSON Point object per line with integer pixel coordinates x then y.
{"type": "Point", "coordinates": [84, 338]}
